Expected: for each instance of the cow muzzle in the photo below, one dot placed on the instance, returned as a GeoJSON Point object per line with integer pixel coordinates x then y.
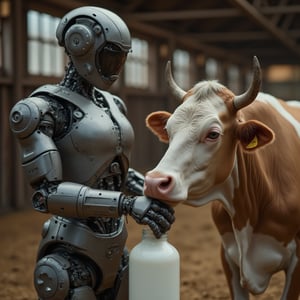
{"type": "Point", "coordinates": [163, 187]}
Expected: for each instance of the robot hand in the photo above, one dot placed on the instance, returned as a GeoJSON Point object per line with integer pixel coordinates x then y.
{"type": "Point", "coordinates": [157, 215]}
{"type": "Point", "coordinates": [78, 201]}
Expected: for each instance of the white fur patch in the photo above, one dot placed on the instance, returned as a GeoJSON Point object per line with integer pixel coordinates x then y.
{"type": "Point", "coordinates": [266, 98]}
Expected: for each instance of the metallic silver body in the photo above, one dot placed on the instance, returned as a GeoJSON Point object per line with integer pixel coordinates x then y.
{"type": "Point", "coordinates": [94, 151]}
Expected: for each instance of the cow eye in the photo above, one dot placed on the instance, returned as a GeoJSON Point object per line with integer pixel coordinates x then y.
{"type": "Point", "coordinates": [213, 136]}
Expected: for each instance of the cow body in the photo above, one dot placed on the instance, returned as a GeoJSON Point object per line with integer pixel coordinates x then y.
{"type": "Point", "coordinates": [246, 161]}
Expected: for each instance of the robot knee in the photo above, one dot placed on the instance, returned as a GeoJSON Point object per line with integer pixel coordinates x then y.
{"type": "Point", "coordinates": [51, 278]}
{"type": "Point", "coordinates": [59, 276]}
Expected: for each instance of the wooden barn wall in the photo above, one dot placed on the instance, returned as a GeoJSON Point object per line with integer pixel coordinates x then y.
{"type": "Point", "coordinates": [13, 188]}
{"type": "Point", "coordinates": [284, 90]}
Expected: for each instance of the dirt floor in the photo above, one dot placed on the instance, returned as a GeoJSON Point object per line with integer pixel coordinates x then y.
{"type": "Point", "coordinates": [193, 234]}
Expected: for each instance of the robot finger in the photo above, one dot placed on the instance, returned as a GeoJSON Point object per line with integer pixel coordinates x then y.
{"type": "Point", "coordinates": [168, 214]}
{"type": "Point", "coordinates": [160, 220]}
{"type": "Point", "coordinates": [165, 211]}
{"type": "Point", "coordinates": [158, 205]}
{"type": "Point", "coordinates": [153, 226]}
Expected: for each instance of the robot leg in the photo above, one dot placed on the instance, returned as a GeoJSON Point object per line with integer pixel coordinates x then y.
{"type": "Point", "coordinates": [56, 277]}
{"type": "Point", "coordinates": [122, 281]}
{"type": "Point", "coordinates": [123, 288]}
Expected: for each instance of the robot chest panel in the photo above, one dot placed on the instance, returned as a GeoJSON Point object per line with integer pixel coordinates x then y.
{"type": "Point", "coordinates": [93, 143]}
{"type": "Point", "coordinates": [97, 134]}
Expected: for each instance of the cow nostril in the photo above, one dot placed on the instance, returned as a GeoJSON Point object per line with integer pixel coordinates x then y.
{"type": "Point", "coordinates": [165, 184]}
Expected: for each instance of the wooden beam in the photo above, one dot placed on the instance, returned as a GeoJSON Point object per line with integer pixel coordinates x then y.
{"type": "Point", "coordinates": [231, 36]}
{"type": "Point", "coordinates": [185, 14]}
{"type": "Point", "coordinates": [280, 9]}
{"type": "Point", "coordinates": [238, 36]}
{"type": "Point", "coordinates": [262, 21]}
{"type": "Point", "coordinates": [209, 13]}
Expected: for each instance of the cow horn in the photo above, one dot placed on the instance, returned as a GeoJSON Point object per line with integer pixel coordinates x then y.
{"type": "Point", "coordinates": [249, 96]}
{"type": "Point", "coordinates": [176, 91]}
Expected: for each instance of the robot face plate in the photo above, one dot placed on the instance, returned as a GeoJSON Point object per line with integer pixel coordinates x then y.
{"type": "Point", "coordinates": [110, 60]}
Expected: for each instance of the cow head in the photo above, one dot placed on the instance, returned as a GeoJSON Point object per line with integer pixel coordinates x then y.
{"type": "Point", "coordinates": [203, 134]}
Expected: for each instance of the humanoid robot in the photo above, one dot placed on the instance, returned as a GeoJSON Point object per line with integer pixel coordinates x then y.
{"type": "Point", "coordinates": [75, 144]}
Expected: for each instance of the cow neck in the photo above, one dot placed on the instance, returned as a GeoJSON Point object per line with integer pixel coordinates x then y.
{"type": "Point", "coordinates": [253, 191]}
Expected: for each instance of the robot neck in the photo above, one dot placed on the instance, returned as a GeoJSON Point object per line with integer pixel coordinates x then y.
{"type": "Point", "coordinates": [73, 81]}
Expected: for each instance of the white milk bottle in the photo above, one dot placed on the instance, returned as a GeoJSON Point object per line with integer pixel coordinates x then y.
{"type": "Point", "coordinates": [154, 269]}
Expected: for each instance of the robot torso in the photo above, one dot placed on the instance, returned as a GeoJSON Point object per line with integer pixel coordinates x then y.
{"type": "Point", "coordinates": [98, 139]}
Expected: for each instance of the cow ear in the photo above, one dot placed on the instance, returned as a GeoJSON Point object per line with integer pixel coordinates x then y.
{"type": "Point", "coordinates": [156, 122]}
{"type": "Point", "coordinates": [254, 134]}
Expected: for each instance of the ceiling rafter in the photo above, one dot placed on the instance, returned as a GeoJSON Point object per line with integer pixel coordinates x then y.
{"type": "Point", "coordinates": [186, 14]}
{"type": "Point", "coordinates": [262, 21]}
{"type": "Point", "coordinates": [209, 13]}
{"type": "Point", "coordinates": [276, 17]}
{"type": "Point", "coordinates": [238, 36]}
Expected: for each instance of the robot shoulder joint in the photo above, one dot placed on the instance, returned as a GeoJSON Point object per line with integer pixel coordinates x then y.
{"type": "Point", "coordinates": [25, 116]}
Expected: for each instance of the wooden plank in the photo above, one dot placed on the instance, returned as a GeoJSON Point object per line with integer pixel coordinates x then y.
{"type": "Point", "coordinates": [6, 158]}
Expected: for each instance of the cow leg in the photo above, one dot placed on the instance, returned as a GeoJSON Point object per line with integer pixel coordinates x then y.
{"type": "Point", "coordinates": [232, 273]}
{"type": "Point", "coordinates": [224, 225]}
{"type": "Point", "coordinates": [292, 288]}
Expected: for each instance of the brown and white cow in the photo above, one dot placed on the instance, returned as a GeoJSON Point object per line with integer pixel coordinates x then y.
{"type": "Point", "coordinates": [246, 155]}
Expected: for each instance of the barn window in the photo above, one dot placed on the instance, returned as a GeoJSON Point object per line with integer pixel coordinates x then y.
{"type": "Point", "coordinates": [181, 66]}
{"type": "Point", "coordinates": [137, 65]}
{"type": "Point", "coordinates": [233, 78]}
{"type": "Point", "coordinates": [211, 68]}
{"type": "Point", "coordinates": [45, 57]}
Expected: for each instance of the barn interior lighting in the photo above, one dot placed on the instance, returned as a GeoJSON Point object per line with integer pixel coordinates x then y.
{"type": "Point", "coordinates": [4, 8]}
{"type": "Point", "coordinates": [164, 51]}
{"type": "Point", "coordinates": [200, 59]}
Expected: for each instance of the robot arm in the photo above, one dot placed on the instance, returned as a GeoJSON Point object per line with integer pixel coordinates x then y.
{"type": "Point", "coordinates": [32, 124]}
{"type": "Point", "coordinates": [75, 200]}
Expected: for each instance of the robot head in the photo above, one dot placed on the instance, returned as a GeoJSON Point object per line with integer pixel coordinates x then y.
{"type": "Point", "coordinates": [97, 41]}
